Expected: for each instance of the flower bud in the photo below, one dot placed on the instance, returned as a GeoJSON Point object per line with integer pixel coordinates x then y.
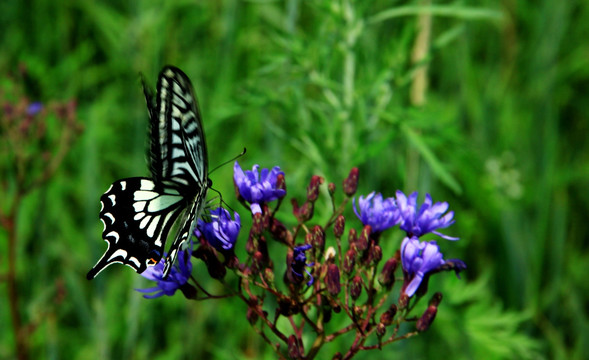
{"type": "Point", "coordinates": [356, 287]}
{"type": "Point", "coordinates": [318, 239]}
{"type": "Point", "coordinates": [333, 280]}
{"type": "Point", "coordinates": [349, 261]}
{"type": "Point", "coordinates": [304, 212]}
{"type": "Point", "coordinates": [257, 224]}
{"type": "Point", "coordinates": [269, 276]}
{"type": "Point", "coordinates": [380, 329]}
{"type": "Point", "coordinates": [352, 237]}
{"type": "Point", "coordinates": [313, 188]}
{"type": "Point", "coordinates": [387, 276]}
{"type": "Point", "coordinates": [425, 321]}
{"type": "Point", "coordinates": [387, 317]}
{"type": "Point", "coordinates": [331, 188]}
{"type": "Point", "coordinates": [351, 182]}
{"type": "Point", "coordinates": [362, 242]}
{"type": "Point", "coordinates": [281, 182]}
{"type": "Point", "coordinates": [257, 262]}
{"type": "Point", "coordinates": [338, 226]}
{"type": "Point", "coordinates": [375, 254]}
{"type": "Point", "coordinates": [403, 300]}
{"type": "Point", "coordinates": [337, 356]}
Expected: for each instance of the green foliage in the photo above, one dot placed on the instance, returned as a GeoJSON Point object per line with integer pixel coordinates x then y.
{"type": "Point", "coordinates": [317, 87]}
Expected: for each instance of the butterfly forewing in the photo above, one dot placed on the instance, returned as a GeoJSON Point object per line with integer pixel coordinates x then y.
{"type": "Point", "coordinates": [179, 133]}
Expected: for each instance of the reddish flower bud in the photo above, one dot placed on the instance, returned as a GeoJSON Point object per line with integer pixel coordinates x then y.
{"type": "Point", "coordinates": [403, 300]}
{"type": "Point", "coordinates": [380, 329]}
{"type": "Point", "coordinates": [332, 280]}
{"type": "Point", "coordinates": [313, 188]}
{"type": "Point", "coordinates": [339, 226]}
{"type": "Point", "coordinates": [304, 212]}
{"type": "Point", "coordinates": [331, 188]}
{"type": "Point", "coordinates": [351, 182]}
{"type": "Point", "coordinates": [362, 242]}
{"type": "Point", "coordinates": [280, 182]}
{"type": "Point", "coordinates": [387, 317]}
{"type": "Point", "coordinates": [387, 276]}
{"type": "Point", "coordinates": [349, 261]}
{"type": "Point", "coordinates": [356, 287]}
{"type": "Point", "coordinates": [257, 261]}
{"type": "Point", "coordinates": [425, 321]}
{"type": "Point", "coordinates": [257, 224]}
{"type": "Point", "coordinates": [352, 237]}
{"type": "Point", "coordinates": [269, 276]}
{"type": "Point", "coordinates": [318, 239]}
{"type": "Point", "coordinates": [375, 254]}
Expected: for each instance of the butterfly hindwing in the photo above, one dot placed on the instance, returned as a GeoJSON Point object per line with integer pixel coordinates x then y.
{"type": "Point", "coordinates": [137, 217]}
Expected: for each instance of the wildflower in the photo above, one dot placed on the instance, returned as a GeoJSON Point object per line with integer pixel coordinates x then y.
{"type": "Point", "coordinates": [428, 218]}
{"type": "Point", "coordinates": [378, 213]}
{"type": "Point", "coordinates": [34, 108]}
{"type": "Point", "coordinates": [300, 261]}
{"type": "Point", "coordinates": [222, 232]}
{"type": "Point", "coordinates": [177, 278]}
{"type": "Point", "coordinates": [419, 258]}
{"type": "Point", "coordinates": [257, 188]}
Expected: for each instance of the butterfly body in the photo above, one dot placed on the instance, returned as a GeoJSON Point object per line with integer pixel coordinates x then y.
{"type": "Point", "coordinates": [138, 213]}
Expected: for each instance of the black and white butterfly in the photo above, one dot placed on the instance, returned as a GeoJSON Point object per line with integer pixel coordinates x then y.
{"type": "Point", "coordinates": [139, 212]}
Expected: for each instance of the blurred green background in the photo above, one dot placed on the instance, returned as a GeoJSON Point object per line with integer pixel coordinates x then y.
{"type": "Point", "coordinates": [316, 87]}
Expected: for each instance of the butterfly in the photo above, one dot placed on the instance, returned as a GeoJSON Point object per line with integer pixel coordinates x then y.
{"type": "Point", "coordinates": [139, 212]}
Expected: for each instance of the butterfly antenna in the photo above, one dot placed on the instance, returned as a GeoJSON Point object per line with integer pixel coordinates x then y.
{"type": "Point", "coordinates": [228, 161]}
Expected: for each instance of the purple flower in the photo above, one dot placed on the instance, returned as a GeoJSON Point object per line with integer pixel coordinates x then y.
{"type": "Point", "coordinates": [418, 259]}
{"type": "Point", "coordinates": [34, 108]}
{"type": "Point", "coordinates": [221, 233]}
{"type": "Point", "coordinates": [300, 261]}
{"type": "Point", "coordinates": [378, 213]}
{"type": "Point", "coordinates": [178, 277]}
{"type": "Point", "coordinates": [257, 188]}
{"type": "Point", "coordinates": [428, 218]}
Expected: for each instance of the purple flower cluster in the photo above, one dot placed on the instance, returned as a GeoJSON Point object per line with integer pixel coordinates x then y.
{"type": "Point", "coordinates": [221, 232]}
{"type": "Point", "coordinates": [299, 263]}
{"type": "Point", "coordinates": [418, 257]}
{"type": "Point", "coordinates": [177, 278]}
{"type": "Point", "coordinates": [257, 188]}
